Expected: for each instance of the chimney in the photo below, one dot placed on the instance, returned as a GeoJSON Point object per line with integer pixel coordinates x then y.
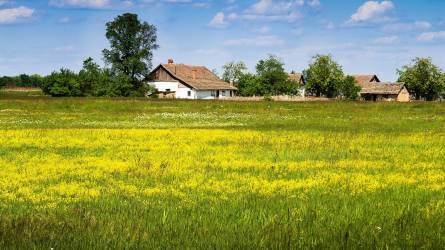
{"type": "Point", "coordinates": [194, 74]}
{"type": "Point", "coordinates": [170, 61]}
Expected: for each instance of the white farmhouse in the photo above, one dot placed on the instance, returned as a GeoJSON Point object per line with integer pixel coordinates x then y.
{"type": "Point", "coordinates": [188, 82]}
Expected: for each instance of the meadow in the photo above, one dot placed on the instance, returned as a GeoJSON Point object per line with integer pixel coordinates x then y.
{"type": "Point", "coordinates": [85, 173]}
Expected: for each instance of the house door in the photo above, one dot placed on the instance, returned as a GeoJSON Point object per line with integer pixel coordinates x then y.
{"type": "Point", "coordinates": [217, 94]}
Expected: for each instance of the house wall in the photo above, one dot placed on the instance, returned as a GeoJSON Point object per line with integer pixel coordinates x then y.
{"type": "Point", "coordinates": [174, 89]}
{"type": "Point", "coordinates": [163, 86]}
{"type": "Point", "coordinates": [183, 93]}
{"type": "Point", "coordinates": [302, 91]}
{"type": "Point", "coordinates": [212, 94]}
{"type": "Point", "coordinates": [404, 96]}
{"type": "Point", "coordinates": [378, 97]}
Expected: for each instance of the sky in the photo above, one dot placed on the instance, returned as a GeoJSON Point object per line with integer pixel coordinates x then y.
{"type": "Point", "coordinates": [365, 37]}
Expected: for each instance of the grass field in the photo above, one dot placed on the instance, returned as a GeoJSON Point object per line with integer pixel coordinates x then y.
{"type": "Point", "coordinates": [121, 173]}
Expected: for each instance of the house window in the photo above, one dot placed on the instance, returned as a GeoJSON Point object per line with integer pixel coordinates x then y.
{"type": "Point", "coordinates": [223, 93]}
{"type": "Point", "coordinates": [167, 90]}
{"type": "Point", "coordinates": [213, 93]}
{"type": "Point", "coordinates": [189, 93]}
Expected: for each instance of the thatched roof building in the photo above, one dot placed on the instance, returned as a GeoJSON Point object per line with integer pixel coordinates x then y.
{"type": "Point", "coordinates": [375, 90]}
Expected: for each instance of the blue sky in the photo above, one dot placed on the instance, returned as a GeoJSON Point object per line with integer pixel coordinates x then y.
{"type": "Point", "coordinates": [364, 36]}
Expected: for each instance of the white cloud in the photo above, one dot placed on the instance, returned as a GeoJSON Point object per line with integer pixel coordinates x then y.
{"type": "Point", "coordinates": [266, 10]}
{"type": "Point", "coordinates": [370, 10]}
{"type": "Point", "coordinates": [399, 27]}
{"type": "Point", "coordinates": [270, 10]}
{"type": "Point", "coordinates": [431, 36]}
{"type": "Point", "coordinates": [387, 40]}
{"type": "Point", "coordinates": [219, 21]}
{"type": "Point", "coordinates": [95, 4]}
{"type": "Point", "coordinates": [255, 41]}
{"type": "Point", "coordinates": [314, 3]}
{"type": "Point", "coordinates": [14, 14]}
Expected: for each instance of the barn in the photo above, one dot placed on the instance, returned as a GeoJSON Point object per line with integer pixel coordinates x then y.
{"type": "Point", "coordinates": [375, 90]}
{"type": "Point", "coordinates": [184, 81]}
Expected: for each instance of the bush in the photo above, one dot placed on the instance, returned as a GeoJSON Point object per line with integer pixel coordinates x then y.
{"type": "Point", "coordinates": [63, 83]}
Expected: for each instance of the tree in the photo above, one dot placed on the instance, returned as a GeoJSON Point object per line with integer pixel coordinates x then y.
{"type": "Point", "coordinates": [324, 76]}
{"type": "Point", "coordinates": [274, 78]}
{"type": "Point", "coordinates": [423, 79]}
{"type": "Point", "coordinates": [348, 88]}
{"type": "Point", "coordinates": [36, 80]}
{"type": "Point", "coordinates": [250, 85]}
{"type": "Point", "coordinates": [233, 71]}
{"type": "Point", "coordinates": [24, 81]}
{"type": "Point", "coordinates": [62, 83]}
{"type": "Point", "coordinates": [132, 43]}
{"type": "Point", "coordinates": [92, 78]}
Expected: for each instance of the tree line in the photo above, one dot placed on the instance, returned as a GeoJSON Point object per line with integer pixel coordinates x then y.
{"type": "Point", "coordinates": [325, 78]}
{"type": "Point", "coordinates": [128, 61]}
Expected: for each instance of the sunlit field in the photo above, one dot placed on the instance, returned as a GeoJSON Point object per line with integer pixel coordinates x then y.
{"type": "Point", "coordinates": [128, 174]}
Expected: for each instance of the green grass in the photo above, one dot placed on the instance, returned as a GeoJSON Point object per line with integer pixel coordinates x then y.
{"type": "Point", "coordinates": [80, 173]}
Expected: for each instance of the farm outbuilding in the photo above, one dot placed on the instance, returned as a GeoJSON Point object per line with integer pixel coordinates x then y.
{"type": "Point", "coordinates": [188, 82]}
{"type": "Point", "coordinates": [375, 90]}
{"type": "Point", "coordinates": [385, 92]}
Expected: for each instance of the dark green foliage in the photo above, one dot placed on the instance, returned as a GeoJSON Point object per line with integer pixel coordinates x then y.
{"type": "Point", "coordinates": [348, 88]}
{"type": "Point", "coordinates": [249, 85]}
{"type": "Point", "coordinates": [22, 80]}
{"type": "Point", "coordinates": [270, 79]}
{"type": "Point", "coordinates": [132, 43]}
{"type": "Point", "coordinates": [324, 76]}
{"type": "Point", "coordinates": [273, 77]}
{"type": "Point", "coordinates": [63, 83]}
{"type": "Point", "coordinates": [423, 79]}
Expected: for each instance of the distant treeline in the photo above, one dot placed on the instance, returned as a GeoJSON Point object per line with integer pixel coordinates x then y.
{"type": "Point", "coordinates": [22, 80]}
{"type": "Point", "coordinates": [128, 61]}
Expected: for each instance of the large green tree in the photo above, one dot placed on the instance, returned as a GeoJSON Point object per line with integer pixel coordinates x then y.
{"type": "Point", "coordinates": [423, 79]}
{"type": "Point", "coordinates": [132, 43]}
{"type": "Point", "coordinates": [233, 71]}
{"type": "Point", "coordinates": [324, 76]}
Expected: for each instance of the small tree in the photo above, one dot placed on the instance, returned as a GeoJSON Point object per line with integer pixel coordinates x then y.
{"type": "Point", "coordinates": [249, 85]}
{"type": "Point", "coordinates": [132, 44]}
{"type": "Point", "coordinates": [233, 71]}
{"type": "Point", "coordinates": [423, 79]}
{"type": "Point", "coordinates": [273, 77]}
{"type": "Point", "coordinates": [92, 77]}
{"type": "Point", "coordinates": [324, 76]}
{"type": "Point", "coordinates": [349, 89]}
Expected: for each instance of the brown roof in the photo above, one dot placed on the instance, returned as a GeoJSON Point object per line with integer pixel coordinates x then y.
{"type": "Point", "coordinates": [384, 88]}
{"type": "Point", "coordinates": [362, 80]}
{"type": "Point", "coordinates": [198, 77]}
{"type": "Point", "coordinates": [298, 77]}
